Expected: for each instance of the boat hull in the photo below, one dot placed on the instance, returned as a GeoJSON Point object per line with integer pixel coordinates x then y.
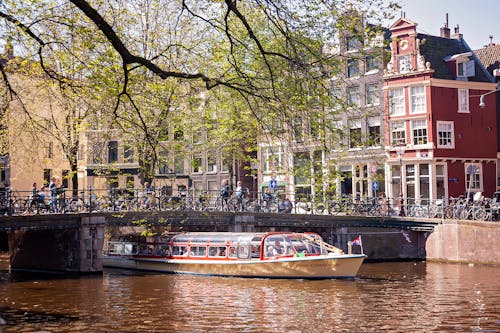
{"type": "Point", "coordinates": [318, 267]}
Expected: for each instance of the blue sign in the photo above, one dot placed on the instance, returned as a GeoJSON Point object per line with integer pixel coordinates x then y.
{"type": "Point", "coordinates": [375, 185]}
{"type": "Point", "coordinates": [273, 183]}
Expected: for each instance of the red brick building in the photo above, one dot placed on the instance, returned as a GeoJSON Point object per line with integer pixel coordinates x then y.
{"type": "Point", "coordinates": [439, 141]}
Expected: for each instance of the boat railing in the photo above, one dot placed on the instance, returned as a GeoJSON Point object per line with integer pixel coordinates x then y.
{"type": "Point", "coordinates": [321, 243]}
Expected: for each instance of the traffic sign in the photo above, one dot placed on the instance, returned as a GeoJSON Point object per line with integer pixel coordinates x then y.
{"type": "Point", "coordinates": [375, 185]}
{"type": "Point", "coordinates": [273, 183]}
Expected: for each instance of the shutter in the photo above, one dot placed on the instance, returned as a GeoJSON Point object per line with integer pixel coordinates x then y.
{"type": "Point", "coordinates": [470, 68]}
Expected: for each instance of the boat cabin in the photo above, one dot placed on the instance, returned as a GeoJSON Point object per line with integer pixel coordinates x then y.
{"type": "Point", "coordinates": [220, 246]}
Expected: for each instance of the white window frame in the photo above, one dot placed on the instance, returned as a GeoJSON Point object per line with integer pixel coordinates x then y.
{"type": "Point", "coordinates": [397, 103]}
{"type": "Point", "coordinates": [477, 184]}
{"type": "Point", "coordinates": [446, 140]}
{"type": "Point", "coordinates": [398, 127]}
{"type": "Point", "coordinates": [212, 163]}
{"type": "Point", "coordinates": [404, 63]}
{"type": "Point", "coordinates": [463, 100]}
{"type": "Point", "coordinates": [267, 158]}
{"type": "Point", "coordinates": [419, 125]}
{"type": "Point", "coordinates": [418, 102]}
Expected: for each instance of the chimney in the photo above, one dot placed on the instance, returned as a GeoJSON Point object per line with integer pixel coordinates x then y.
{"type": "Point", "coordinates": [445, 31]}
{"type": "Point", "coordinates": [457, 34]}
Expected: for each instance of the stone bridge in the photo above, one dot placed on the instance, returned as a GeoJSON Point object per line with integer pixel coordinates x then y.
{"type": "Point", "coordinates": [74, 242]}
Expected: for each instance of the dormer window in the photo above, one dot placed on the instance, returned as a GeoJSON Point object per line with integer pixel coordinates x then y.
{"type": "Point", "coordinates": [465, 68]}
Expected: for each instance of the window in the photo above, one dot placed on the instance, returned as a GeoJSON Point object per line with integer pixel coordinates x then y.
{"type": "Point", "coordinates": [398, 133]}
{"type": "Point", "coordinates": [65, 175]}
{"type": "Point", "coordinates": [337, 134]}
{"type": "Point", "coordinates": [372, 64]}
{"type": "Point", "coordinates": [47, 174]}
{"type": "Point", "coordinates": [419, 131]}
{"type": "Point", "coordinates": [463, 100]}
{"type": "Point", "coordinates": [212, 162]}
{"type": "Point", "coordinates": [178, 134]}
{"type": "Point", "coordinates": [337, 97]}
{"type": "Point", "coordinates": [97, 152]}
{"type": "Point", "coordinates": [445, 133]}
{"type": "Point", "coordinates": [301, 168]}
{"type": "Point", "coordinates": [163, 168]}
{"type": "Point", "coordinates": [374, 131]}
{"type": "Point", "coordinates": [197, 164]}
{"type": "Point", "coordinates": [372, 97]}
{"type": "Point", "coordinates": [352, 67]}
{"type": "Point", "coordinates": [112, 151]}
{"type": "Point", "coordinates": [353, 95]}
{"type": "Point", "coordinates": [272, 158]}
{"type": "Point", "coordinates": [297, 129]}
{"type": "Point", "coordinates": [226, 163]}
{"type": "Point", "coordinates": [466, 69]}
{"type": "Point", "coordinates": [474, 177]}
{"type": "Point", "coordinates": [49, 150]}
{"type": "Point", "coordinates": [128, 153]}
{"type": "Point", "coordinates": [352, 43]}
{"type": "Point", "coordinates": [355, 134]}
{"type": "Point", "coordinates": [417, 98]}
{"type": "Point", "coordinates": [397, 102]}
{"type": "Point", "coordinates": [404, 64]}
{"type": "Point", "coordinates": [179, 165]}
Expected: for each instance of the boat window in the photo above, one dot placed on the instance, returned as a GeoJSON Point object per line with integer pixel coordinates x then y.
{"type": "Point", "coordinates": [243, 252]}
{"type": "Point", "coordinates": [179, 250]}
{"type": "Point", "coordinates": [130, 248]}
{"type": "Point", "coordinates": [216, 251]}
{"type": "Point", "coordinates": [162, 250]}
{"type": "Point", "coordinates": [276, 245]}
{"type": "Point", "coordinates": [232, 252]}
{"type": "Point", "coordinates": [255, 250]}
{"type": "Point", "coordinates": [197, 251]}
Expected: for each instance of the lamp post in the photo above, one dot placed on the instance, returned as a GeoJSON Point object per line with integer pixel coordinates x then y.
{"type": "Point", "coordinates": [400, 151]}
{"type": "Point", "coordinates": [482, 103]}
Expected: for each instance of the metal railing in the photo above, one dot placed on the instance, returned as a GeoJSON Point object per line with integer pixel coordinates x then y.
{"type": "Point", "coordinates": [123, 200]}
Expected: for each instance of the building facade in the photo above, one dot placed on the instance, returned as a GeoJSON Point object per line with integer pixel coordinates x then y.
{"type": "Point", "coordinates": [439, 141]}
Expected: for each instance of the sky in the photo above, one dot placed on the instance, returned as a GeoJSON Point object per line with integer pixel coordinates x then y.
{"type": "Point", "coordinates": [477, 19]}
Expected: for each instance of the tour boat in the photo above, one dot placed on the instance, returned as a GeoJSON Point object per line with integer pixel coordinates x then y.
{"type": "Point", "coordinates": [249, 254]}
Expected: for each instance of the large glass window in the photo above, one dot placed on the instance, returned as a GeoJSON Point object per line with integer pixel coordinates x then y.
{"type": "Point", "coordinates": [419, 131]}
{"type": "Point", "coordinates": [197, 164]}
{"type": "Point", "coordinates": [417, 97]}
{"type": "Point", "coordinates": [398, 133]}
{"type": "Point", "coordinates": [397, 102]}
{"type": "Point", "coordinates": [445, 132]}
{"type": "Point", "coordinates": [179, 165]}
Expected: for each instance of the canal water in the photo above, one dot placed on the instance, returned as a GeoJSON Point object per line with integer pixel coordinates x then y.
{"type": "Point", "coordinates": [386, 297]}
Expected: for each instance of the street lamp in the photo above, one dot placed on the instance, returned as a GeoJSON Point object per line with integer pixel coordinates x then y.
{"type": "Point", "coordinates": [400, 151]}
{"type": "Point", "coordinates": [482, 103]}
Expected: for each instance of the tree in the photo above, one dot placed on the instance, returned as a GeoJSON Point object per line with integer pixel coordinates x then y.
{"type": "Point", "coordinates": [267, 56]}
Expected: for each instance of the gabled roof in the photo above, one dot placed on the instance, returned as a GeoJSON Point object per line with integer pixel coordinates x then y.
{"type": "Point", "coordinates": [489, 57]}
{"type": "Point", "coordinates": [437, 50]}
{"type": "Point", "coordinates": [402, 22]}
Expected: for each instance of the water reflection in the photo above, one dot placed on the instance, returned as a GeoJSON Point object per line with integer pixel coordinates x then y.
{"type": "Point", "coordinates": [397, 297]}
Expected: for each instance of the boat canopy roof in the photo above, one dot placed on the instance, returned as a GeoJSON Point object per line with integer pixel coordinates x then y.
{"type": "Point", "coordinates": [217, 237]}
